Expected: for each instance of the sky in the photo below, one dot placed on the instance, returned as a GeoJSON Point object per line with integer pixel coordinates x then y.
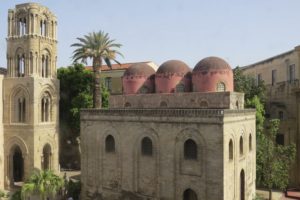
{"type": "Point", "coordinates": [240, 31]}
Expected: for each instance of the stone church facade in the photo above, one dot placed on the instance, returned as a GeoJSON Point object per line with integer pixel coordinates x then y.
{"type": "Point", "coordinates": [30, 95]}
{"type": "Point", "coordinates": [173, 134]}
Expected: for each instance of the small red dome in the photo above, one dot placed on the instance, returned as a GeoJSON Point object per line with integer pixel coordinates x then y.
{"type": "Point", "coordinates": [173, 76]}
{"type": "Point", "coordinates": [138, 78]}
{"type": "Point", "coordinates": [212, 74]}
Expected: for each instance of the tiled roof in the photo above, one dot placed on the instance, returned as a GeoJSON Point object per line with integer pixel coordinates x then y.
{"type": "Point", "coordinates": [123, 66]}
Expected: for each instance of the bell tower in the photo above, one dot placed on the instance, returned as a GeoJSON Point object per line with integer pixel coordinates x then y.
{"type": "Point", "coordinates": [31, 93]}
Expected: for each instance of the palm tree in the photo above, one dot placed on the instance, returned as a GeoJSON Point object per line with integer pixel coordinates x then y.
{"type": "Point", "coordinates": [98, 47]}
{"type": "Point", "coordinates": [43, 183]}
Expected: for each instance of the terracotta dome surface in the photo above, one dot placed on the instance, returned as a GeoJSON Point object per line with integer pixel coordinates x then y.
{"type": "Point", "coordinates": [140, 69]}
{"type": "Point", "coordinates": [173, 66]}
{"type": "Point", "coordinates": [212, 62]}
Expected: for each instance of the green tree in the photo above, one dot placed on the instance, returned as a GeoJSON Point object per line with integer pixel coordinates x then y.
{"type": "Point", "coordinates": [43, 183]}
{"type": "Point", "coordinates": [99, 47]}
{"type": "Point", "coordinates": [273, 160]}
{"type": "Point", "coordinates": [75, 93]}
{"type": "Point", "coordinates": [248, 85]}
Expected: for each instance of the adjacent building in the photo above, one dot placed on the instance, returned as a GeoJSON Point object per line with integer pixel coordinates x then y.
{"type": "Point", "coordinates": [281, 75]}
{"type": "Point", "coordinates": [112, 77]}
{"type": "Point", "coordinates": [29, 94]}
{"type": "Point", "coordinates": [173, 134]}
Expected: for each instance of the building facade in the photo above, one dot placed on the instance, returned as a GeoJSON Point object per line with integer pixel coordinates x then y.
{"type": "Point", "coordinates": [171, 136]}
{"type": "Point", "coordinates": [30, 94]}
{"type": "Point", "coordinates": [281, 75]}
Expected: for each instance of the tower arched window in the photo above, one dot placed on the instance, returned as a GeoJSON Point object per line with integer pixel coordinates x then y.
{"type": "Point", "coordinates": [22, 28]}
{"type": "Point", "coordinates": [241, 146]}
{"type": "Point", "coordinates": [21, 65]}
{"type": "Point", "coordinates": [190, 150]}
{"type": "Point", "coordinates": [221, 87]}
{"type": "Point", "coordinates": [21, 110]}
{"type": "Point", "coordinates": [230, 150]}
{"type": "Point", "coordinates": [43, 28]}
{"type": "Point", "coordinates": [147, 148]}
{"type": "Point", "coordinates": [110, 144]}
{"type": "Point", "coordinates": [45, 66]}
{"type": "Point", "coordinates": [46, 108]}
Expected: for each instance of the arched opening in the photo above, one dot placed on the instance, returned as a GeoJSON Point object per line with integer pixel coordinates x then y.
{"type": "Point", "coordinates": [190, 150]}
{"type": "Point", "coordinates": [189, 195]}
{"type": "Point", "coordinates": [147, 149]}
{"type": "Point", "coordinates": [203, 104]}
{"type": "Point", "coordinates": [242, 185]}
{"type": "Point", "coordinates": [110, 144]}
{"type": "Point", "coordinates": [46, 108]}
{"type": "Point", "coordinates": [241, 146]}
{"type": "Point", "coordinates": [21, 66]}
{"type": "Point", "coordinates": [221, 87]}
{"type": "Point", "coordinates": [47, 154]}
{"type": "Point", "coordinates": [163, 104]}
{"type": "Point", "coordinates": [230, 150]}
{"type": "Point", "coordinates": [21, 109]}
{"type": "Point", "coordinates": [18, 164]}
{"type": "Point", "coordinates": [127, 105]}
{"type": "Point", "coordinates": [180, 87]}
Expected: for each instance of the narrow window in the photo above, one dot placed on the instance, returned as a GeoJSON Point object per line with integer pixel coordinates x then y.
{"type": "Point", "coordinates": [108, 83]}
{"type": "Point", "coordinates": [21, 109]}
{"type": "Point", "coordinates": [250, 142]}
{"type": "Point", "coordinates": [230, 150]}
{"type": "Point", "coordinates": [221, 87]}
{"type": "Point", "coordinates": [292, 73]}
{"type": "Point", "coordinates": [258, 79]}
{"type": "Point", "coordinates": [147, 149]}
{"type": "Point", "coordinates": [110, 144]}
{"type": "Point", "coordinates": [280, 115]}
{"type": "Point", "coordinates": [190, 150]}
{"type": "Point", "coordinates": [280, 139]}
{"type": "Point", "coordinates": [241, 146]}
{"type": "Point", "coordinates": [189, 195]}
{"type": "Point", "coordinates": [274, 74]}
{"type": "Point", "coordinates": [46, 108]}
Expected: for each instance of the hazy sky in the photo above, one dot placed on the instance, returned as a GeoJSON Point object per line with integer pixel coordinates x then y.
{"type": "Point", "coordinates": [240, 31]}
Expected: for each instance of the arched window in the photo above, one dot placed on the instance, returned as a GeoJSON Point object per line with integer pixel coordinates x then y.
{"type": "Point", "coordinates": [250, 142]}
{"type": "Point", "coordinates": [230, 150]}
{"type": "Point", "coordinates": [241, 146]}
{"type": "Point", "coordinates": [127, 105]}
{"type": "Point", "coordinates": [21, 111]}
{"type": "Point", "coordinates": [203, 104]}
{"type": "Point", "coordinates": [21, 65]}
{"type": "Point", "coordinates": [47, 154]}
{"type": "Point", "coordinates": [221, 87]}
{"type": "Point", "coordinates": [180, 87]}
{"type": "Point", "coordinates": [190, 150]}
{"type": "Point", "coordinates": [45, 66]}
{"type": "Point", "coordinates": [143, 90]}
{"type": "Point", "coordinates": [163, 104]}
{"type": "Point", "coordinates": [189, 195]}
{"type": "Point", "coordinates": [147, 149]}
{"type": "Point", "coordinates": [46, 108]}
{"type": "Point", "coordinates": [110, 144]}
{"type": "Point", "coordinates": [43, 27]}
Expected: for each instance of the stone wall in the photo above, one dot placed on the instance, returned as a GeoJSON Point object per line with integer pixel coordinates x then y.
{"type": "Point", "coordinates": [224, 100]}
{"type": "Point", "coordinates": [166, 174]}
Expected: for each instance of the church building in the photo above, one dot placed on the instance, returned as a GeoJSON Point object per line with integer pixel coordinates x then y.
{"type": "Point", "coordinates": [174, 134]}
{"type": "Point", "coordinates": [29, 94]}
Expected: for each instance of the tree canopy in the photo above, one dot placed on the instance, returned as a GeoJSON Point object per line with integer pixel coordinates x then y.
{"type": "Point", "coordinates": [99, 47]}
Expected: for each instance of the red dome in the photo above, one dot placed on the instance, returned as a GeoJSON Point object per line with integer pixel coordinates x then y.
{"type": "Point", "coordinates": [173, 76]}
{"type": "Point", "coordinates": [138, 78]}
{"type": "Point", "coordinates": [212, 74]}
